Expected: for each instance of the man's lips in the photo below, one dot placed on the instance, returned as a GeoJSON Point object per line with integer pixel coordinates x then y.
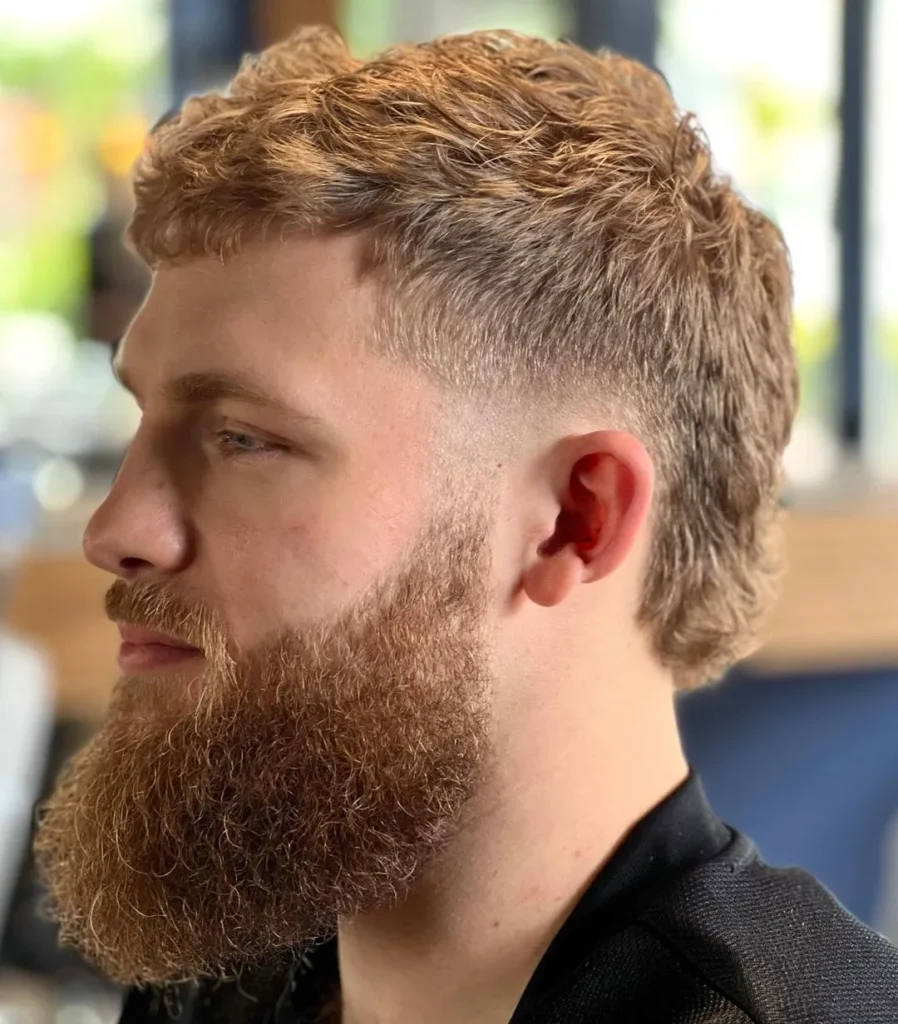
{"type": "Point", "coordinates": [143, 650]}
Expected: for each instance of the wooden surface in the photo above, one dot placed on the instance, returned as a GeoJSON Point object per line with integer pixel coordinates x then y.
{"type": "Point", "coordinates": [839, 606]}
{"type": "Point", "coordinates": [839, 601]}
{"type": "Point", "coordinates": [58, 600]}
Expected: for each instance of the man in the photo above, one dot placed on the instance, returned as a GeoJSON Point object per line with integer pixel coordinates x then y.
{"type": "Point", "coordinates": [465, 383]}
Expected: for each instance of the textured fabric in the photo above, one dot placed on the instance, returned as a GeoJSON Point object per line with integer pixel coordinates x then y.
{"type": "Point", "coordinates": [732, 942]}
{"type": "Point", "coordinates": [634, 979]}
{"type": "Point", "coordinates": [778, 943]}
{"type": "Point", "coordinates": [685, 924]}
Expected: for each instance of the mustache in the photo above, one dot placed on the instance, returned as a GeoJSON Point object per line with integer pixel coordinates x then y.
{"type": "Point", "coordinates": [159, 607]}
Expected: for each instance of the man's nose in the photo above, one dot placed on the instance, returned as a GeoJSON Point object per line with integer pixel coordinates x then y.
{"type": "Point", "coordinates": [139, 528]}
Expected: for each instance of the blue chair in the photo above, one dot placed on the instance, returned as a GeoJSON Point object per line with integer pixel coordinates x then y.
{"type": "Point", "coordinates": [808, 766]}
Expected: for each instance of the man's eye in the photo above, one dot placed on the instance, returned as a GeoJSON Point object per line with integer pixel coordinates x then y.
{"type": "Point", "coordinates": [239, 442]}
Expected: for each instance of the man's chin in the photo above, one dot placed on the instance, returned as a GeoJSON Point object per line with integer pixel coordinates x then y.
{"type": "Point", "coordinates": [229, 812]}
{"type": "Point", "coordinates": [207, 827]}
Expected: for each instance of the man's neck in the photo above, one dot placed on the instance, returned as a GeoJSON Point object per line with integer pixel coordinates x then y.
{"type": "Point", "coordinates": [462, 947]}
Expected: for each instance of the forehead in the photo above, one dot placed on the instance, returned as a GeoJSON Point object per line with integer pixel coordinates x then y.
{"type": "Point", "coordinates": [293, 317]}
{"type": "Point", "coordinates": [296, 300]}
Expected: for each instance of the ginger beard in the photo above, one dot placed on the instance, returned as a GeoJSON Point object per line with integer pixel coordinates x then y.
{"type": "Point", "coordinates": [230, 820]}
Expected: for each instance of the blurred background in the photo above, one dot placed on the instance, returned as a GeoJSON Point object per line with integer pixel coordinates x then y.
{"type": "Point", "coordinates": [800, 748]}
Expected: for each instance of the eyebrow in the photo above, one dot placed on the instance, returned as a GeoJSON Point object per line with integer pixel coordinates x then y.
{"type": "Point", "coordinates": [207, 387]}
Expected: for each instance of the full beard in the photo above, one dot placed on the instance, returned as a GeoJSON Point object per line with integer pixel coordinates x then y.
{"type": "Point", "coordinates": [230, 819]}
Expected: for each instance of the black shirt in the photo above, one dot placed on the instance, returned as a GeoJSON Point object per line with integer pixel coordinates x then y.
{"type": "Point", "coordinates": [685, 924]}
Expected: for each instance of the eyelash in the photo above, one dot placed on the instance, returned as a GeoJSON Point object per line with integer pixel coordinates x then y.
{"type": "Point", "coordinates": [230, 450]}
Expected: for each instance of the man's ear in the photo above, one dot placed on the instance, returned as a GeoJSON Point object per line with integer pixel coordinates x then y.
{"type": "Point", "coordinates": [605, 492]}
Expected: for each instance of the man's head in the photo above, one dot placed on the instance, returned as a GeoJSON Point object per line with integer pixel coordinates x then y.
{"type": "Point", "coordinates": [432, 342]}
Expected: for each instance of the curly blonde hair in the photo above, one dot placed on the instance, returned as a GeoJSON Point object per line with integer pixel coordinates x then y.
{"type": "Point", "coordinates": [551, 235]}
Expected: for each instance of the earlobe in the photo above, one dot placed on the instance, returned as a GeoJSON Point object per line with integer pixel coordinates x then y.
{"type": "Point", "coordinates": [549, 580]}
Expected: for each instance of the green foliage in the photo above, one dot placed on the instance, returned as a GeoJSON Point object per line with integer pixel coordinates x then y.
{"type": "Point", "coordinates": [814, 336]}
{"type": "Point", "coordinates": [81, 83]}
{"type": "Point", "coordinates": [886, 338]}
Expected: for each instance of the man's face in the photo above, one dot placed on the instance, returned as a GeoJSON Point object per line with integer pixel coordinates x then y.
{"type": "Point", "coordinates": [274, 513]}
{"type": "Point", "coordinates": [277, 511]}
